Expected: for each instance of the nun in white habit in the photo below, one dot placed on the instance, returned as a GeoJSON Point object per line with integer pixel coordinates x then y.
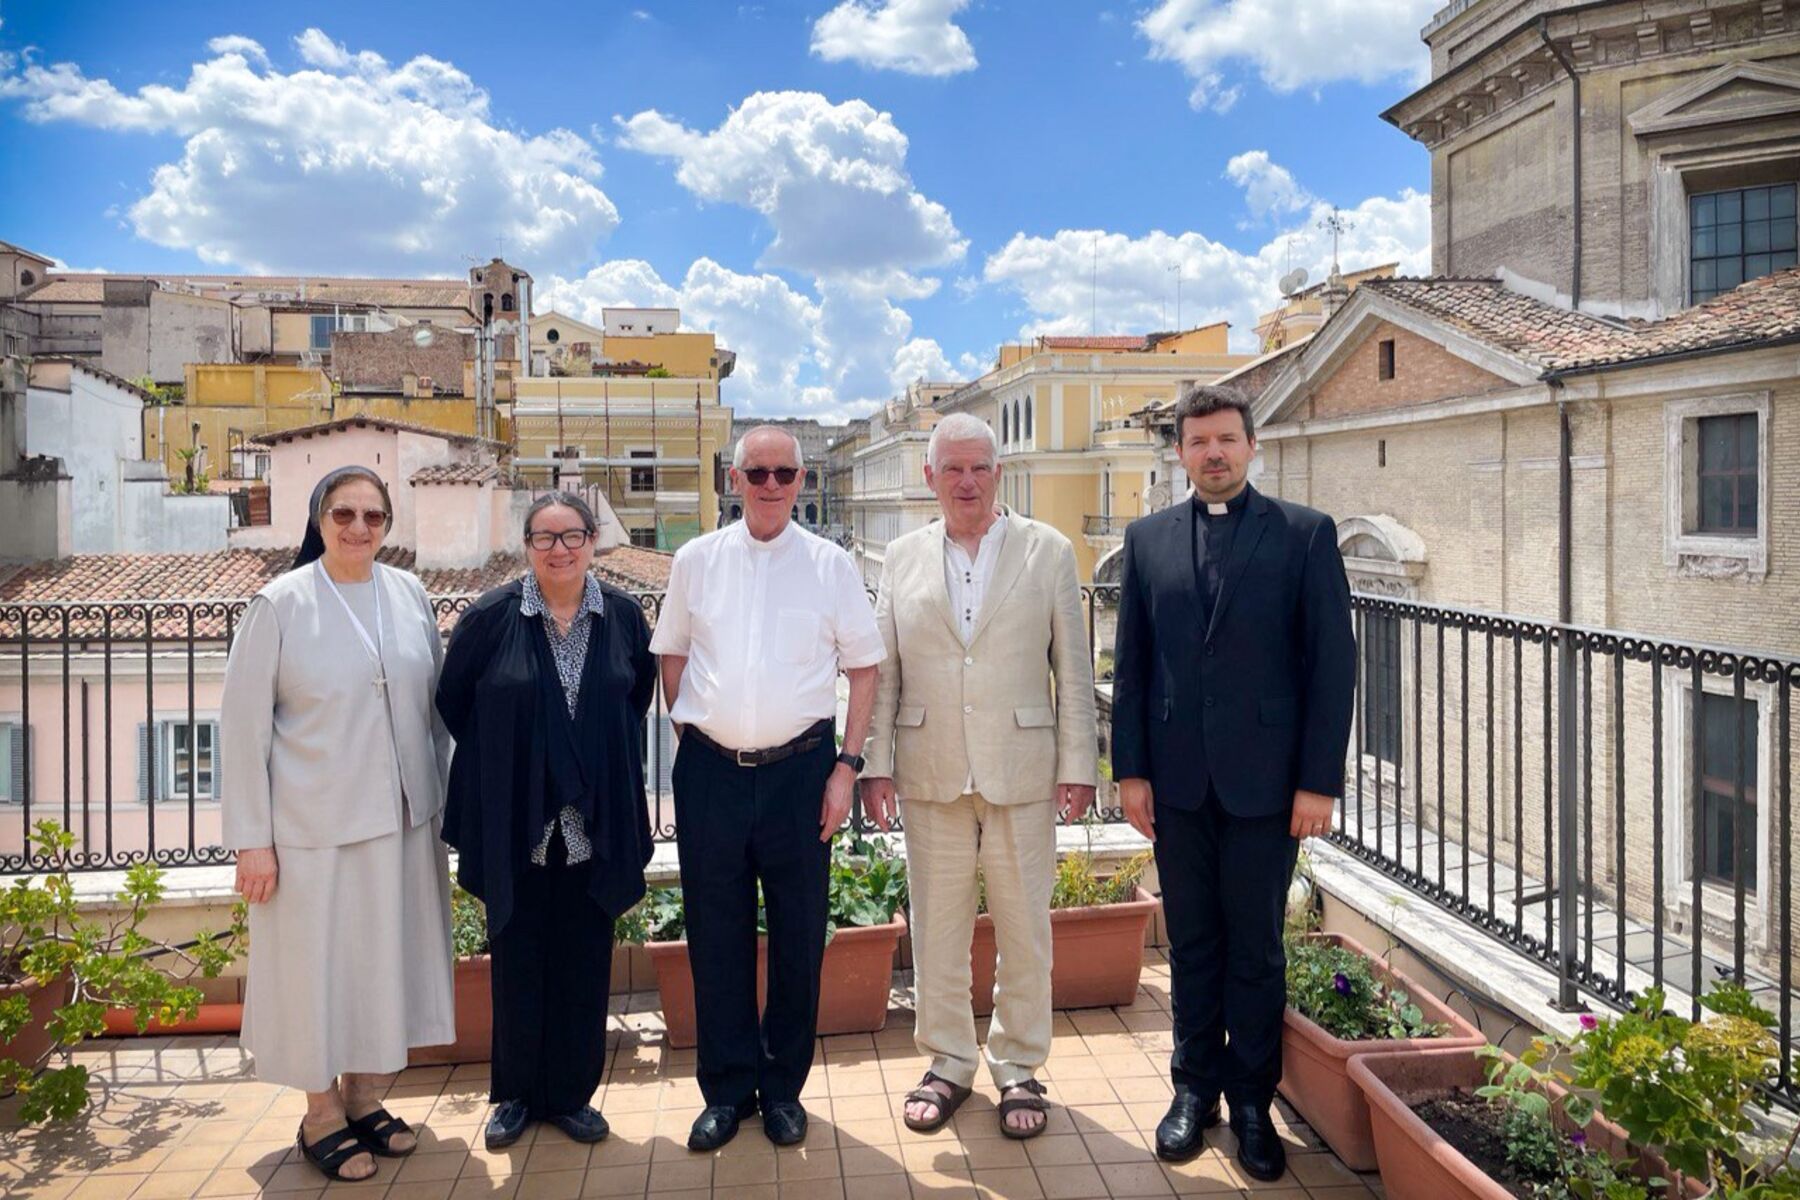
{"type": "Point", "coordinates": [334, 769]}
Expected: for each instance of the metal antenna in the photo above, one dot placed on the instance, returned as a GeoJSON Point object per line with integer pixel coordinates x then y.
{"type": "Point", "coordinates": [1337, 224]}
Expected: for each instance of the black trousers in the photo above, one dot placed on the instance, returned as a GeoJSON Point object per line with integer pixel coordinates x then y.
{"type": "Point", "coordinates": [552, 974]}
{"type": "Point", "coordinates": [1224, 893]}
{"type": "Point", "coordinates": [736, 827]}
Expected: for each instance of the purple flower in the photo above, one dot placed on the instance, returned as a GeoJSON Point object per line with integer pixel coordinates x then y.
{"type": "Point", "coordinates": [1341, 982]}
{"type": "Point", "coordinates": [1589, 1022]}
{"type": "Point", "coordinates": [1578, 1138]}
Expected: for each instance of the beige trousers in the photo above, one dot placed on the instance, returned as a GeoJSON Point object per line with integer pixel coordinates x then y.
{"type": "Point", "coordinates": [1014, 846]}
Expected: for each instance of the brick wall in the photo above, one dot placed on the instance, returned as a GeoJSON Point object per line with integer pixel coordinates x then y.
{"type": "Point", "coordinates": [369, 361]}
{"type": "Point", "coordinates": [1423, 371]}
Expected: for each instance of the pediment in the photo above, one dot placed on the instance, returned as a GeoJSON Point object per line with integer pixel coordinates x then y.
{"type": "Point", "coordinates": [1740, 91]}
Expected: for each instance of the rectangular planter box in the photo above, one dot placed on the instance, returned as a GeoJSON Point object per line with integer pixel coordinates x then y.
{"type": "Point", "coordinates": [1096, 955]}
{"type": "Point", "coordinates": [33, 1039]}
{"type": "Point", "coordinates": [1418, 1164]}
{"type": "Point", "coordinates": [1315, 1075]}
{"type": "Point", "coordinates": [854, 981]}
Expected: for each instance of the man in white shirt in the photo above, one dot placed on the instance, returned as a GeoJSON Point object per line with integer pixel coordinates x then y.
{"type": "Point", "coordinates": [985, 730]}
{"type": "Point", "coordinates": [758, 620]}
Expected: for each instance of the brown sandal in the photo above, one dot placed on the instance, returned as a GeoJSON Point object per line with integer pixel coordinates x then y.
{"type": "Point", "coordinates": [946, 1103]}
{"type": "Point", "coordinates": [1034, 1102]}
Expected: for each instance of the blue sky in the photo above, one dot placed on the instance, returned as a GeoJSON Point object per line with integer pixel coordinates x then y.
{"type": "Point", "coordinates": [852, 194]}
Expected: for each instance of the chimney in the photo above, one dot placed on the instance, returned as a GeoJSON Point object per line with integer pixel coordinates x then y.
{"type": "Point", "coordinates": [409, 384]}
{"type": "Point", "coordinates": [1334, 294]}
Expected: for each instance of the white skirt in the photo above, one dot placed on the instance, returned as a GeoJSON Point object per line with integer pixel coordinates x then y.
{"type": "Point", "coordinates": [350, 962]}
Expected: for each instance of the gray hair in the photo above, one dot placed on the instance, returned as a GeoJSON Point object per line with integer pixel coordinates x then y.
{"type": "Point", "coordinates": [961, 427]}
{"type": "Point", "coordinates": [738, 451]}
{"type": "Point", "coordinates": [562, 499]}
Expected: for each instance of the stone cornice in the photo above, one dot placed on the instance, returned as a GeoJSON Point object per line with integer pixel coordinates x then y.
{"type": "Point", "coordinates": [1518, 66]}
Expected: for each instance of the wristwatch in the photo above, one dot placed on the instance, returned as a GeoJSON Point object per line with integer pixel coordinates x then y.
{"type": "Point", "coordinates": [853, 761]}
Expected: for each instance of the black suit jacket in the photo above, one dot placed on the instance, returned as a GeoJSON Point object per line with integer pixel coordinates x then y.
{"type": "Point", "coordinates": [1256, 704]}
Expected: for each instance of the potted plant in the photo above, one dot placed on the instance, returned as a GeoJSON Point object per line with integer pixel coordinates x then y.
{"type": "Point", "coordinates": [1344, 1001]}
{"type": "Point", "coordinates": [60, 972]}
{"type": "Point", "coordinates": [1637, 1105]}
{"type": "Point", "coordinates": [1097, 926]}
{"type": "Point", "coordinates": [472, 985]}
{"type": "Point", "coordinates": [864, 923]}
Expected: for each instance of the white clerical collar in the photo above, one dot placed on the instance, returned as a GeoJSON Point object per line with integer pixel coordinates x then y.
{"type": "Point", "coordinates": [1217, 510]}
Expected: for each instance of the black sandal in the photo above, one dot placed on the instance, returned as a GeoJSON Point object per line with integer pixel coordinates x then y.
{"type": "Point", "coordinates": [947, 1104]}
{"type": "Point", "coordinates": [332, 1151]}
{"type": "Point", "coordinates": [1029, 1103]}
{"type": "Point", "coordinates": [376, 1130]}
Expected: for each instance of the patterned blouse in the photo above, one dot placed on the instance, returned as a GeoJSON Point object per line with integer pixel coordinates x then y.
{"type": "Point", "coordinates": [570, 652]}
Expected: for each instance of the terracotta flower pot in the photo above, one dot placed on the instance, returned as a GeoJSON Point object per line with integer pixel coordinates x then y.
{"type": "Point", "coordinates": [1418, 1164]}
{"type": "Point", "coordinates": [1315, 1074]}
{"type": "Point", "coordinates": [474, 1018]}
{"type": "Point", "coordinates": [1096, 954]}
{"type": "Point", "coordinates": [33, 1040]}
{"type": "Point", "coordinates": [854, 980]}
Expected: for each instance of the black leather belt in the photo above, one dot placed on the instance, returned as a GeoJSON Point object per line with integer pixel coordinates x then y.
{"type": "Point", "coordinates": [810, 740]}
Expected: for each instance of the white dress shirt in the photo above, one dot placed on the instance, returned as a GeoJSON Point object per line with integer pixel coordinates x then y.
{"type": "Point", "coordinates": [968, 579]}
{"type": "Point", "coordinates": [765, 626]}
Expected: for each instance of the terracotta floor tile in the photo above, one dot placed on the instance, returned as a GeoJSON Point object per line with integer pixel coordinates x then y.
{"type": "Point", "coordinates": [1321, 1171]}
{"type": "Point", "coordinates": [1078, 1091]}
{"type": "Point", "coordinates": [942, 1185]}
{"type": "Point", "coordinates": [1207, 1173]}
{"type": "Point", "coordinates": [485, 1189]}
{"type": "Point", "coordinates": [996, 1152]}
{"type": "Point", "coordinates": [496, 1164]}
{"type": "Point", "coordinates": [1108, 1146]}
{"type": "Point", "coordinates": [1135, 1179]}
{"type": "Point", "coordinates": [1357, 1191]}
{"type": "Point", "coordinates": [558, 1154]}
{"type": "Point", "coordinates": [857, 1083]}
{"type": "Point", "coordinates": [675, 1174]}
{"type": "Point", "coordinates": [202, 1157]}
{"type": "Point", "coordinates": [430, 1168]}
{"type": "Point", "coordinates": [171, 1185]}
{"type": "Point", "coordinates": [878, 1187]}
{"type": "Point", "coordinates": [871, 1160]}
{"type": "Point", "coordinates": [1056, 1149]}
{"type": "Point", "coordinates": [807, 1163]}
{"type": "Point", "coordinates": [1077, 1181]}
{"type": "Point", "coordinates": [1096, 1118]}
{"type": "Point", "coordinates": [739, 1170]}
{"type": "Point", "coordinates": [1008, 1183]}
{"type": "Point", "coordinates": [629, 1180]}
{"type": "Point", "coordinates": [933, 1156]}
{"type": "Point", "coordinates": [550, 1185]}
{"type": "Point", "coordinates": [293, 1177]}
{"type": "Point", "coordinates": [432, 1189]}
{"type": "Point", "coordinates": [876, 1132]}
{"type": "Point", "coordinates": [239, 1180]}
{"type": "Point", "coordinates": [1137, 1088]}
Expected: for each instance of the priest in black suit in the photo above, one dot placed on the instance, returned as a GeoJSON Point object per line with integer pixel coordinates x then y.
{"type": "Point", "coordinates": [1235, 675]}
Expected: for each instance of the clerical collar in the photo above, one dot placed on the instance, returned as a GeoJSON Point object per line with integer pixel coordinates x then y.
{"type": "Point", "coordinates": [1214, 509]}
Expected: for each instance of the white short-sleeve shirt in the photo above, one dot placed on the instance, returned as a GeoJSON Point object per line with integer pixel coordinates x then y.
{"type": "Point", "coordinates": [765, 626]}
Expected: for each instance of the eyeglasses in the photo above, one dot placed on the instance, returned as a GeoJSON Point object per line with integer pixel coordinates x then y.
{"type": "Point", "coordinates": [545, 539]}
{"type": "Point", "coordinates": [760, 475]}
{"type": "Point", "coordinates": [342, 516]}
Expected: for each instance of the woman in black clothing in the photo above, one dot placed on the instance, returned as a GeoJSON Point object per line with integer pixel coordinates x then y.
{"type": "Point", "coordinates": [545, 687]}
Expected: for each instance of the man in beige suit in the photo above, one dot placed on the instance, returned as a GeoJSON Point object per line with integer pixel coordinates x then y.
{"type": "Point", "coordinates": [984, 729]}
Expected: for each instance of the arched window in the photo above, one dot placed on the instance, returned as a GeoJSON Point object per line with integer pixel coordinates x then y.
{"type": "Point", "coordinates": [1028, 418]}
{"type": "Point", "coordinates": [812, 514]}
{"type": "Point", "coordinates": [1005, 425]}
{"type": "Point", "coordinates": [1018, 429]}
{"type": "Point", "coordinates": [506, 302]}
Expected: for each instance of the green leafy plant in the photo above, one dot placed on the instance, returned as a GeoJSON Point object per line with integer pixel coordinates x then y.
{"type": "Point", "coordinates": [1559, 1165]}
{"type": "Point", "coordinates": [468, 924]}
{"type": "Point", "coordinates": [108, 963]}
{"type": "Point", "coordinates": [1079, 886]}
{"type": "Point", "coordinates": [1338, 990]}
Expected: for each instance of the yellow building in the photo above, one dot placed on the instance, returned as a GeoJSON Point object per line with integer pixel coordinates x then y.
{"type": "Point", "coordinates": [1300, 314]}
{"type": "Point", "coordinates": [635, 341]}
{"type": "Point", "coordinates": [651, 447]}
{"type": "Point", "coordinates": [1062, 409]}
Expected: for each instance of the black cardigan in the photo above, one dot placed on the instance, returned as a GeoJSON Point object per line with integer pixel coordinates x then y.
{"type": "Point", "coordinates": [520, 757]}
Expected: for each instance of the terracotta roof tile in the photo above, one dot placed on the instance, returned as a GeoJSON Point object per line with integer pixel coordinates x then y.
{"type": "Point", "coordinates": [89, 288]}
{"type": "Point", "coordinates": [365, 421]}
{"type": "Point", "coordinates": [1558, 340]}
{"type": "Point", "coordinates": [474, 472]}
{"type": "Point", "coordinates": [139, 589]}
{"type": "Point", "coordinates": [1104, 342]}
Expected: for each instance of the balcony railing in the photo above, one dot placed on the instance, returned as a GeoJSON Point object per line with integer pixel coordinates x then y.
{"type": "Point", "coordinates": [1105, 526]}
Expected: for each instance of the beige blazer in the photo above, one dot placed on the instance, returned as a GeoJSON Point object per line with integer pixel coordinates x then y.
{"type": "Point", "coordinates": [1016, 706]}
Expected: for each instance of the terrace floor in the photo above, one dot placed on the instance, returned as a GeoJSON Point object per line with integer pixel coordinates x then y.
{"type": "Point", "coordinates": [178, 1117]}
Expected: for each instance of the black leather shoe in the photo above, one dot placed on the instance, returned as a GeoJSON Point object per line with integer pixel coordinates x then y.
{"type": "Point", "coordinates": [585, 1124]}
{"type": "Point", "coordinates": [785, 1123]}
{"type": "Point", "coordinates": [1259, 1149]}
{"type": "Point", "coordinates": [1180, 1135]}
{"type": "Point", "coordinates": [507, 1124]}
{"type": "Point", "coordinates": [717, 1125]}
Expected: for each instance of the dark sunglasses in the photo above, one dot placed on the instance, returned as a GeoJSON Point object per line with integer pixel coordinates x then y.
{"type": "Point", "coordinates": [545, 539]}
{"type": "Point", "coordinates": [760, 475]}
{"type": "Point", "coordinates": [342, 515]}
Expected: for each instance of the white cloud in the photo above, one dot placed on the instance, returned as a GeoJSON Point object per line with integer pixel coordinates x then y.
{"type": "Point", "coordinates": [830, 179]}
{"type": "Point", "coordinates": [1269, 187]}
{"type": "Point", "coordinates": [1290, 46]}
{"type": "Point", "coordinates": [1134, 290]}
{"type": "Point", "coordinates": [353, 164]}
{"type": "Point", "coordinates": [232, 43]}
{"type": "Point", "coordinates": [914, 36]}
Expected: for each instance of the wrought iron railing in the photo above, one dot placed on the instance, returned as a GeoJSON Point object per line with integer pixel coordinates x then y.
{"type": "Point", "coordinates": [112, 727]}
{"type": "Point", "coordinates": [1617, 807]}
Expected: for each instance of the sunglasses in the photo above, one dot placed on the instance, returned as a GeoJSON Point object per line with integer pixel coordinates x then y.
{"type": "Point", "coordinates": [545, 539]}
{"type": "Point", "coordinates": [342, 515]}
{"type": "Point", "coordinates": [760, 475]}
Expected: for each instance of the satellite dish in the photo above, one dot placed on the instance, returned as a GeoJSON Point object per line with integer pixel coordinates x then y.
{"type": "Point", "coordinates": [1293, 281]}
{"type": "Point", "coordinates": [422, 336]}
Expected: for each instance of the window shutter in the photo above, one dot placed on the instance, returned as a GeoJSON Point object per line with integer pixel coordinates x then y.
{"type": "Point", "coordinates": [143, 756]}
{"type": "Point", "coordinates": [18, 746]}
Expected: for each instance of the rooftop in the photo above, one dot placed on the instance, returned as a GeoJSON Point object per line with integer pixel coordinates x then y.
{"type": "Point", "coordinates": [90, 287]}
{"type": "Point", "coordinates": [364, 421]}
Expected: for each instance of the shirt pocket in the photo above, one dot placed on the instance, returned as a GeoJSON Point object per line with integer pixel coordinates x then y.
{"type": "Point", "coordinates": [1035, 717]}
{"type": "Point", "coordinates": [796, 636]}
